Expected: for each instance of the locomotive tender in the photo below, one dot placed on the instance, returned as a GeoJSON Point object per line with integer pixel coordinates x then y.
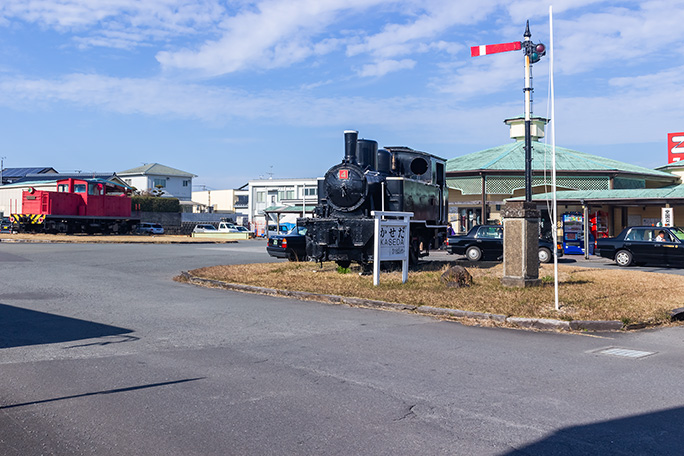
{"type": "Point", "coordinates": [372, 179]}
{"type": "Point", "coordinates": [78, 206]}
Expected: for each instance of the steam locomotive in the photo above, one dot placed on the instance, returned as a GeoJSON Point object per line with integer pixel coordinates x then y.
{"type": "Point", "coordinates": [372, 179]}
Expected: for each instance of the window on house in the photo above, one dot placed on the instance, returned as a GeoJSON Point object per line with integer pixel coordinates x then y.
{"type": "Point", "coordinates": [159, 183]}
{"type": "Point", "coordinates": [310, 191]}
{"type": "Point", "coordinates": [289, 194]}
{"type": "Point", "coordinates": [128, 181]}
{"type": "Point", "coordinates": [261, 197]}
{"type": "Point", "coordinates": [186, 183]}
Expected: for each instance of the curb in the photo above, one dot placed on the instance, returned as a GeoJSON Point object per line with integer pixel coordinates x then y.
{"type": "Point", "coordinates": [525, 323]}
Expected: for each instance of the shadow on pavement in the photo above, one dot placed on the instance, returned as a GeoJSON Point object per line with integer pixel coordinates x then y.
{"type": "Point", "coordinates": [111, 391]}
{"type": "Point", "coordinates": [20, 327]}
{"type": "Point", "coordinates": [657, 433]}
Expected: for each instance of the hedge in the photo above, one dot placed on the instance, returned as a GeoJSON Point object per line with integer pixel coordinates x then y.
{"type": "Point", "coordinates": [154, 204]}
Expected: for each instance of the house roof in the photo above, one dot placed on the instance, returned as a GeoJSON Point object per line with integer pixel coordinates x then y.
{"type": "Point", "coordinates": [22, 172]}
{"type": "Point", "coordinates": [511, 157]}
{"type": "Point", "coordinates": [156, 169]}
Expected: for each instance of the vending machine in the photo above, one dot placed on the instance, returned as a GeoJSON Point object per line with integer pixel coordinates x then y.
{"type": "Point", "coordinates": [573, 234]}
{"type": "Point", "coordinates": [598, 224]}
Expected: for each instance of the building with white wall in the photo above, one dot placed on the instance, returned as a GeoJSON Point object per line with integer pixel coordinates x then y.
{"type": "Point", "coordinates": [267, 195]}
{"type": "Point", "coordinates": [222, 201]}
{"type": "Point", "coordinates": [153, 176]}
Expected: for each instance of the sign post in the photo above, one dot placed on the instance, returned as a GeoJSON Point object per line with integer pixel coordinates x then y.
{"type": "Point", "coordinates": [391, 241]}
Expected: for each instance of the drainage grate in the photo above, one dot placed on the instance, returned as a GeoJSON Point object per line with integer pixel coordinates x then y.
{"type": "Point", "coordinates": [624, 352]}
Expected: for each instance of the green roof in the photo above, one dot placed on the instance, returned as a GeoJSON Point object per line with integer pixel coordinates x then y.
{"type": "Point", "coordinates": [663, 193]}
{"type": "Point", "coordinates": [511, 157]}
{"type": "Point", "coordinates": [290, 209]}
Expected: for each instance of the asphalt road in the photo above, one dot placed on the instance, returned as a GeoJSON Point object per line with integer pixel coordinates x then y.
{"type": "Point", "coordinates": [101, 353]}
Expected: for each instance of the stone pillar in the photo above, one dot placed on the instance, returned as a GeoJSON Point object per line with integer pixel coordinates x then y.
{"type": "Point", "coordinates": [521, 244]}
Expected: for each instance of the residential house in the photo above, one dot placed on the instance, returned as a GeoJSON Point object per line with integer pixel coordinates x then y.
{"type": "Point", "coordinates": [171, 182]}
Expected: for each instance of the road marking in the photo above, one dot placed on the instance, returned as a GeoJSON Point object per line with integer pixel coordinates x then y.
{"type": "Point", "coordinates": [625, 352]}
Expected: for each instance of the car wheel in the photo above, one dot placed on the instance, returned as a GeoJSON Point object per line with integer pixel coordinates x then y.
{"type": "Point", "coordinates": [292, 256]}
{"type": "Point", "coordinates": [545, 255]}
{"type": "Point", "coordinates": [474, 253]}
{"type": "Point", "coordinates": [623, 258]}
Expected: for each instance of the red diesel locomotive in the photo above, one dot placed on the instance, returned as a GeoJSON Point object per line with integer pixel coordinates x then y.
{"type": "Point", "coordinates": [78, 206]}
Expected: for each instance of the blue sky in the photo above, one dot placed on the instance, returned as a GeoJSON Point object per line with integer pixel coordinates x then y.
{"type": "Point", "coordinates": [238, 90]}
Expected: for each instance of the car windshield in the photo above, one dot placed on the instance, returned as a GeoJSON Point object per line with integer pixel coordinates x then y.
{"type": "Point", "coordinates": [300, 230]}
{"type": "Point", "coordinates": [490, 232]}
{"type": "Point", "coordinates": [678, 232]}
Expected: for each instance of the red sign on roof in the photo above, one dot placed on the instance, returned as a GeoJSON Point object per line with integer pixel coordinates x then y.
{"type": "Point", "coordinates": [675, 147]}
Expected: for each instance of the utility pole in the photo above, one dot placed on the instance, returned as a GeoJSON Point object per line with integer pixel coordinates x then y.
{"type": "Point", "coordinates": [2, 167]}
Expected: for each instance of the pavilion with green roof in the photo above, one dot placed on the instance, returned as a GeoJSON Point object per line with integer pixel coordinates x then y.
{"type": "Point", "coordinates": [481, 182]}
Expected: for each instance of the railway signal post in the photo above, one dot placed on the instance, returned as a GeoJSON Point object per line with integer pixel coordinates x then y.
{"type": "Point", "coordinates": [521, 218]}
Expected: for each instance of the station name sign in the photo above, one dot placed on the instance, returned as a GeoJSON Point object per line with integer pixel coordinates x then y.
{"type": "Point", "coordinates": [391, 235]}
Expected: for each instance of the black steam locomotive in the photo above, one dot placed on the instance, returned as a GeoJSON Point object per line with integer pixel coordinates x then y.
{"type": "Point", "coordinates": [372, 179]}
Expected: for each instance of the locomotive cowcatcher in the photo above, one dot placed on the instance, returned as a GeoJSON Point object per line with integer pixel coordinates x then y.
{"type": "Point", "coordinates": [371, 179]}
{"type": "Point", "coordinates": [78, 206]}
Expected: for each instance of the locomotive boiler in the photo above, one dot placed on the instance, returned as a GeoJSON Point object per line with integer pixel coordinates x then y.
{"type": "Point", "coordinates": [372, 179]}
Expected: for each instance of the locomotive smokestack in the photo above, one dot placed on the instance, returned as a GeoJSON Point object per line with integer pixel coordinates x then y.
{"type": "Point", "coordinates": [350, 138]}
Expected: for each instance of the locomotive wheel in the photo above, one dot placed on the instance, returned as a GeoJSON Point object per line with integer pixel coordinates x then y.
{"type": "Point", "coordinates": [474, 254]}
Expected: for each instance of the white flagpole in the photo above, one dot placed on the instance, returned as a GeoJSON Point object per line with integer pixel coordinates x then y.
{"type": "Point", "coordinates": [553, 159]}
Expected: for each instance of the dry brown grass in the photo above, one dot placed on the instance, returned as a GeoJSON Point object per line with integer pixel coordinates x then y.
{"type": "Point", "coordinates": [585, 294]}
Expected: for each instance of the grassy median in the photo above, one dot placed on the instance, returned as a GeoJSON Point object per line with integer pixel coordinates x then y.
{"type": "Point", "coordinates": [584, 294]}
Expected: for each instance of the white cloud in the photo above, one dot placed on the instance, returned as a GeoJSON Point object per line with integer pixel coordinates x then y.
{"type": "Point", "coordinates": [400, 39]}
{"type": "Point", "coordinates": [625, 35]}
{"type": "Point", "coordinates": [627, 114]}
{"type": "Point", "coordinates": [278, 33]}
{"type": "Point", "coordinates": [385, 66]}
{"type": "Point", "coordinates": [116, 23]}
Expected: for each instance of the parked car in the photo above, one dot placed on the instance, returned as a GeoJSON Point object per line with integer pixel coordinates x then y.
{"type": "Point", "coordinates": [204, 228]}
{"type": "Point", "coordinates": [283, 228]}
{"type": "Point", "coordinates": [641, 245]}
{"type": "Point", "coordinates": [291, 245]}
{"type": "Point", "coordinates": [243, 229]}
{"type": "Point", "coordinates": [486, 242]}
{"type": "Point", "coordinates": [5, 225]}
{"type": "Point", "coordinates": [227, 227]}
{"type": "Point", "coordinates": [150, 228]}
